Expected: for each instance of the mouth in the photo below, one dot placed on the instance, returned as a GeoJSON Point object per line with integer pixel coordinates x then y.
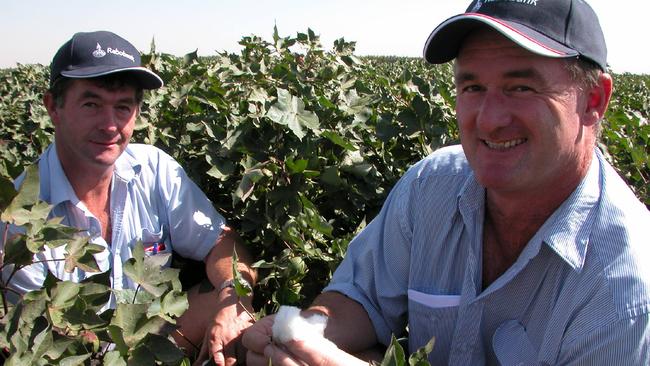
{"type": "Point", "coordinates": [504, 145]}
{"type": "Point", "coordinates": [106, 143]}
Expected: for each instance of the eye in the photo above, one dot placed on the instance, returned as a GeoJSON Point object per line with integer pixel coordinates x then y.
{"type": "Point", "coordinates": [473, 88]}
{"type": "Point", "coordinates": [124, 108]}
{"type": "Point", "coordinates": [90, 105]}
{"type": "Point", "coordinates": [522, 88]}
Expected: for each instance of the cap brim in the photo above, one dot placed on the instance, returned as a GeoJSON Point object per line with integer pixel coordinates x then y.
{"type": "Point", "coordinates": [146, 78]}
{"type": "Point", "coordinates": [444, 42]}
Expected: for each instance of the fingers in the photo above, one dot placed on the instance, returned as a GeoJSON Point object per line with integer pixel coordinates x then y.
{"type": "Point", "coordinates": [255, 340]}
{"type": "Point", "coordinates": [203, 355]}
{"type": "Point", "coordinates": [256, 359]}
{"type": "Point", "coordinates": [279, 357]}
{"type": "Point", "coordinates": [321, 352]}
{"type": "Point", "coordinates": [258, 335]}
{"type": "Point", "coordinates": [223, 337]}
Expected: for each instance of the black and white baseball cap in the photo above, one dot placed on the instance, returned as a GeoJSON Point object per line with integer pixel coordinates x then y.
{"type": "Point", "coordinates": [551, 28]}
{"type": "Point", "coordinates": [93, 54]}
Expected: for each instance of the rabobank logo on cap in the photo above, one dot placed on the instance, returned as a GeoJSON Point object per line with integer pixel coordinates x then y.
{"type": "Point", "coordinates": [98, 52]}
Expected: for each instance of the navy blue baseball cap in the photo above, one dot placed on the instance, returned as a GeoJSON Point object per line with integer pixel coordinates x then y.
{"type": "Point", "coordinates": [551, 28]}
{"type": "Point", "coordinates": [93, 54]}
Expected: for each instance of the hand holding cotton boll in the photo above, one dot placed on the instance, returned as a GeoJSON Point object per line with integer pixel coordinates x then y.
{"type": "Point", "coordinates": [299, 340]}
{"type": "Point", "coordinates": [289, 325]}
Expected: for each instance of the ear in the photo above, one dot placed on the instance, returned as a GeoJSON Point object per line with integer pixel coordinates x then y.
{"type": "Point", "coordinates": [51, 107]}
{"type": "Point", "coordinates": [598, 99]}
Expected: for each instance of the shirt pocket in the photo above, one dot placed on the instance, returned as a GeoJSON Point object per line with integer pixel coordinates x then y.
{"type": "Point", "coordinates": [432, 316]}
{"type": "Point", "coordinates": [512, 346]}
{"type": "Point", "coordinates": [155, 242]}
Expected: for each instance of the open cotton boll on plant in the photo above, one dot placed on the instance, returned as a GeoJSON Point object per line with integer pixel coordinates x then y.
{"type": "Point", "coordinates": [290, 325]}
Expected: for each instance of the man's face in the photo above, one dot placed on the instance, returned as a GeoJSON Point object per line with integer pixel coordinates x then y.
{"type": "Point", "coordinates": [94, 125]}
{"type": "Point", "coordinates": [520, 118]}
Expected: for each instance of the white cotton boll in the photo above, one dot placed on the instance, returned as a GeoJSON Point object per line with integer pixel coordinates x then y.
{"type": "Point", "coordinates": [290, 325]}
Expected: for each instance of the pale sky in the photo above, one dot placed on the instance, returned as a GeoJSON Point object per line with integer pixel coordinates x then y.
{"type": "Point", "coordinates": [32, 30]}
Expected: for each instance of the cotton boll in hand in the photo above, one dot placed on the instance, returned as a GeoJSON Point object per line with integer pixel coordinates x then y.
{"type": "Point", "coordinates": [290, 325]}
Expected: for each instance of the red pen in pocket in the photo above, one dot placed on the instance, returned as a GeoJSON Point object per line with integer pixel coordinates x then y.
{"type": "Point", "coordinates": [155, 248]}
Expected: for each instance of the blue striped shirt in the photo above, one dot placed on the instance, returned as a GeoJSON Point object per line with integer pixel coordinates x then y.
{"type": "Point", "coordinates": [152, 200]}
{"type": "Point", "coordinates": [578, 294]}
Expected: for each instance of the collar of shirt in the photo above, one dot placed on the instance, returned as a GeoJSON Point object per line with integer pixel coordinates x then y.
{"type": "Point", "coordinates": [55, 186]}
{"type": "Point", "coordinates": [564, 231]}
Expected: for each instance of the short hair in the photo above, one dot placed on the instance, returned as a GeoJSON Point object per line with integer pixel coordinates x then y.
{"type": "Point", "coordinates": [584, 72]}
{"type": "Point", "coordinates": [108, 82]}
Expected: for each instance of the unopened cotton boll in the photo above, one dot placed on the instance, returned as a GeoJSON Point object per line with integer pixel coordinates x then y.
{"type": "Point", "coordinates": [290, 325]}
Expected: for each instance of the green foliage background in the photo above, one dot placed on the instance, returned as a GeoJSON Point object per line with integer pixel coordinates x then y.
{"type": "Point", "coordinates": [297, 146]}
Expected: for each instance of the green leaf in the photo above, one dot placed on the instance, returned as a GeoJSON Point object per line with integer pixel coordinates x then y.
{"type": "Point", "coordinates": [117, 336]}
{"type": "Point", "coordinates": [337, 139]}
{"type": "Point", "coordinates": [64, 295]}
{"type": "Point", "coordinates": [247, 184]}
{"type": "Point", "coordinates": [175, 303]}
{"type": "Point", "coordinates": [134, 324]}
{"type": "Point", "coordinates": [59, 347]}
{"type": "Point", "coordinates": [53, 235]}
{"type": "Point", "coordinates": [419, 357]}
{"type": "Point", "coordinates": [149, 271]}
{"type": "Point", "coordinates": [242, 288]}
{"type": "Point", "coordinates": [7, 192]}
{"type": "Point", "coordinates": [74, 360]}
{"type": "Point", "coordinates": [25, 206]}
{"type": "Point", "coordinates": [113, 358]}
{"type": "Point", "coordinates": [80, 254]}
{"type": "Point", "coordinates": [221, 170]}
{"type": "Point", "coordinates": [190, 57]}
{"type": "Point", "coordinates": [290, 111]}
{"type": "Point", "coordinates": [163, 349]}
{"type": "Point", "coordinates": [141, 356]}
{"type": "Point", "coordinates": [41, 343]}
{"type": "Point", "coordinates": [357, 106]}
{"type": "Point", "coordinates": [394, 355]}
{"type": "Point", "coordinates": [16, 251]}
{"type": "Point", "coordinates": [296, 166]}
{"type": "Point", "coordinates": [331, 176]}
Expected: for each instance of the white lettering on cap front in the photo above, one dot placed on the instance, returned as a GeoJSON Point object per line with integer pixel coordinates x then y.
{"type": "Point", "coordinates": [120, 53]}
{"type": "Point", "coordinates": [525, 2]}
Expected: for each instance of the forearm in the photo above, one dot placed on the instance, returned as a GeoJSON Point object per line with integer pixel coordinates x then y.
{"type": "Point", "coordinates": [218, 263]}
{"type": "Point", "coordinates": [348, 326]}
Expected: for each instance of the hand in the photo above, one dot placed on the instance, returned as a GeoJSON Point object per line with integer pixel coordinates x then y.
{"type": "Point", "coordinates": [222, 340]}
{"type": "Point", "coordinates": [315, 351]}
{"type": "Point", "coordinates": [256, 338]}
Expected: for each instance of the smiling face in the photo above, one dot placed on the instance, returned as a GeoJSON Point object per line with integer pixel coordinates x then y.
{"type": "Point", "coordinates": [94, 124]}
{"type": "Point", "coordinates": [525, 125]}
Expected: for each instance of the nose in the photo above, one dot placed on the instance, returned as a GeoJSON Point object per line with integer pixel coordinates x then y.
{"type": "Point", "coordinates": [493, 112]}
{"type": "Point", "coordinates": [109, 120]}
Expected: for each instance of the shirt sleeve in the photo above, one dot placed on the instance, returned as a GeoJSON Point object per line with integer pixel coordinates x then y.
{"type": "Point", "coordinates": [194, 224]}
{"type": "Point", "coordinates": [375, 270]}
{"type": "Point", "coordinates": [28, 278]}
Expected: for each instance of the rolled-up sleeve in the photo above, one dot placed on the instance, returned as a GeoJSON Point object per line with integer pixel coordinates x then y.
{"type": "Point", "coordinates": [375, 270]}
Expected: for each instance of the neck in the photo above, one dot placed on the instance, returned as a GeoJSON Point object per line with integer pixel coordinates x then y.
{"type": "Point", "coordinates": [89, 185]}
{"type": "Point", "coordinates": [93, 188]}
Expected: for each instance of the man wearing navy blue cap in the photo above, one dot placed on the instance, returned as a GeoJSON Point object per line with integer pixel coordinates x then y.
{"type": "Point", "coordinates": [120, 193]}
{"type": "Point", "coordinates": [522, 246]}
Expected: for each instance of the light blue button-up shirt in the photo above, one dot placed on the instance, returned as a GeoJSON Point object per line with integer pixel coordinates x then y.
{"type": "Point", "coordinates": [152, 200]}
{"type": "Point", "coordinates": [578, 294]}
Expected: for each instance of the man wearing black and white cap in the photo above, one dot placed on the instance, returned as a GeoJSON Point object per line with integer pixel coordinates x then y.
{"type": "Point", "coordinates": [522, 246]}
{"type": "Point", "coordinates": [120, 194]}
